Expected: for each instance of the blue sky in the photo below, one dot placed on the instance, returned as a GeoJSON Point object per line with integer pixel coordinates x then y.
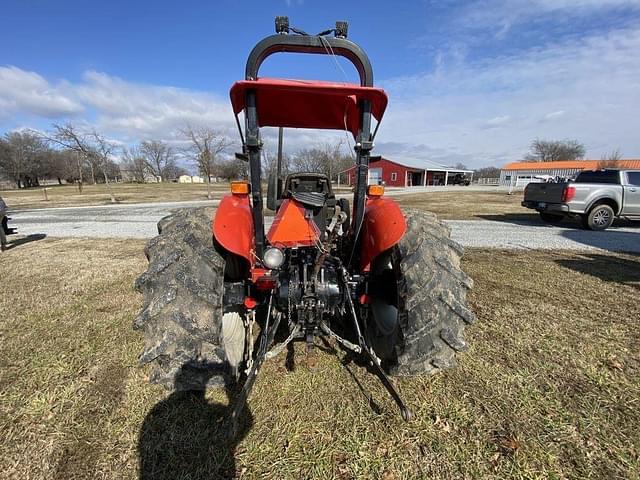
{"type": "Point", "coordinates": [470, 82]}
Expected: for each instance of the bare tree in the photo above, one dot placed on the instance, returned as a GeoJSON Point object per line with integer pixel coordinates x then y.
{"type": "Point", "coordinates": [58, 164]}
{"type": "Point", "coordinates": [553, 150]}
{"type": "Point", "coordinates": [134, 164]}
{"type": "Point", "coordinates": [90, 147]}
{"type": "Point", "coordinates": [70, 138]}
{"type": "Point", "coordinates": [174, 172]}
{"type": "Point", "coordinates": [158, 157]}
{"type": "Point", "coordinates": [233, 169]}
{"type": "Point", "coordinates": [461, 166]}
{"type": "Point", "coordinates": [5, 158]}
{"type": "Point", "coordinates": [269, 162]}
{"type": "Point", "coordinates": [103, 151]}
{"type": "Point", "coordinates": [206, 145]}
{"type": "Point", "coordinates": [610, 159]}
{"type": "Point", "coordinates": [326, 158]}
{"type": "Point", "coordinates": [23, 157]}
{"type": "Point", "coordinates": [487, 172]}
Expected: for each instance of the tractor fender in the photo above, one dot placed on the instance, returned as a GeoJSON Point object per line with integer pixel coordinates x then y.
{"type": "Point", "coordinates": [383, 227]}
{"type": "Point", "coordinates": [233, 226]}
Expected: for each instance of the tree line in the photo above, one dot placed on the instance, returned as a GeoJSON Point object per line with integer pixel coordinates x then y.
{"type": "Point", "coordinates": [73, 154]}
{"type": "Point", "coordinates": [82, 155]}
{"type": "Point", "coordinates": [557, 150]}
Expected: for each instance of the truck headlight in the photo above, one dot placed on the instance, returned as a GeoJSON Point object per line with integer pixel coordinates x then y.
{"type": "Point", "coordinates": [273, 258]}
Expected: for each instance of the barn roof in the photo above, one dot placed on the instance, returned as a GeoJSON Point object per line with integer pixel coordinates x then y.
{"type": "Point", "coordinates": [422, 164]}
{"type": "Point", "coordinates": [572, 165]}
{"type": "Point", "coordinates": [414, 164]}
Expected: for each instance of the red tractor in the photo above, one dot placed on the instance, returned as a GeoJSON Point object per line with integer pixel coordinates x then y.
{"type": "Point", "coordinates": [381, 283]}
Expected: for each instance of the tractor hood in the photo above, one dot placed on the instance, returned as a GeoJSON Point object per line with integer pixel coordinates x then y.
{"type": "Point", "coordinates": [308, 104]}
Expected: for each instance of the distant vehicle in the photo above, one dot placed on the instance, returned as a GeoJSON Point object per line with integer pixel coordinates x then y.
{"type": "Point", "coordinates": [459, 179]}
{"type": "Point", "coordinates": [4, 227]}
{"type": "Point", "coordinates": [596, 196]}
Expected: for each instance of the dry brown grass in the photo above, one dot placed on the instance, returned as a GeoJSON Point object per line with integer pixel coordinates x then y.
{"type": "Point", "coordinates": [68, 195]}
{"type": "Point", "coordinates": [549, 389]}
{"type": "Point", "coordinates": [467, 205]}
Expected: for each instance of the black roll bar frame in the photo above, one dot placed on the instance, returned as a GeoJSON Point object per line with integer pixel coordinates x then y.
{"type": "Point", "coordinates": [313, 44]}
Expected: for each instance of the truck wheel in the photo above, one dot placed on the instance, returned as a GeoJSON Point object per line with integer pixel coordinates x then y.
{"type": "Point", "coordinates": [418, 310]}
{"type": "Point", "coordinates": [551, 218]}
{"type": "Point", "coordinates": [185, 329]}
{"type": "Point", "coordinates": [600, 217]}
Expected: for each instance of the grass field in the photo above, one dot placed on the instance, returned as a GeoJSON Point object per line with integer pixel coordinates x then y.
{"type": "Point", "coordinates": [68, 195]}
{"type": "Point", "coordinates": [549, 389]}
{"type": "Point", "coordinates": [467, 205]}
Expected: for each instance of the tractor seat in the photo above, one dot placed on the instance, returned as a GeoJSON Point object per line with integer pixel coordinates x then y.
{"type": "Point", "coordinates": [311, 189]}
{"type": "Point", "coordinates": [310, 199]}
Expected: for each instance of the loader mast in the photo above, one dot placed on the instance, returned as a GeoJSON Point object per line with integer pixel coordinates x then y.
{"type": "Point", "coordinates": [254, 147]}
{"type": "Point", "coordinates": [363, 149]}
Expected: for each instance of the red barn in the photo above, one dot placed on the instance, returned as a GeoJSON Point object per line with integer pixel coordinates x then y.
{"type": "Point", "coordinates": [409, 173]}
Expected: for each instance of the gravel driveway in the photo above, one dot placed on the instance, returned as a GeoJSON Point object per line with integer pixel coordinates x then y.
{"type": "Point", "coordinates": [139, 221]}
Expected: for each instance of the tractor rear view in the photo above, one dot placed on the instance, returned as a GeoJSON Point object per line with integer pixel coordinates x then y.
{"type": "Point", "coordinates": [383, 284]}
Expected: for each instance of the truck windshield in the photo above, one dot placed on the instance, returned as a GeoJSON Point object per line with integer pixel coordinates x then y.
{"type": "Point", "coordinates": [599, 176]}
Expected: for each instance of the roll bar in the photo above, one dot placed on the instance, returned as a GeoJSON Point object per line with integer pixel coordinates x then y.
{"type": "Point", "coordinates": [323, 45]}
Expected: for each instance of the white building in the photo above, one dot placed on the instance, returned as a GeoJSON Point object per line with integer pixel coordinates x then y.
{"type": "Point", "coordinates": [190, 179]}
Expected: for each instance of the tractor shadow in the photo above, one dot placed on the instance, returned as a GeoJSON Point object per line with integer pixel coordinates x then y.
{"type": "Point", "coordinates": [617, 269]}
{"type": "Point", "coordinates": [187, 436]}
{"type": "Point", "coordinates": [14, 243]}
{"type": "Point", "coordinates": [533, 220]}
{"type": "Point", "coordinates": [348, 361]}
{"type": "Point", "coordinates": [611, 239]}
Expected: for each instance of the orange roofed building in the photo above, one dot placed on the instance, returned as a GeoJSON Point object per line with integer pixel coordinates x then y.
{"type": "Point", "coordinates": [519, 174]}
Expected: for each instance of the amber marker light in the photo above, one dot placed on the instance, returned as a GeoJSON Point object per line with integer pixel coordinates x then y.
{"type": "Point", "coordinates": [375, 190]}
{"type": "Point", "coordinates": [240, 188]}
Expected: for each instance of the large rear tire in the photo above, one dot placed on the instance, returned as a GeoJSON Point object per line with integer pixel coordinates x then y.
{"type": "Point", "coordinates": [182, 316]}
{"type": "Point", "coordinates": [421, 278]}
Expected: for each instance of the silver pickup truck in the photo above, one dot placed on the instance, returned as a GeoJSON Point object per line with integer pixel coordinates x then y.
{"type": "Point", "coordinates": [596, 196]}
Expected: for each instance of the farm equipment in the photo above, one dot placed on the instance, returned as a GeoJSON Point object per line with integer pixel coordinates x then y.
{"type": "Point", "coordinates": [460, 179]}
{"type": "Point", "coordinates": [385, 285]}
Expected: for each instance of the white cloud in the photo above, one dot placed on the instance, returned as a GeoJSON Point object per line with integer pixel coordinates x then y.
{"type": "Point", "coordinates": [144, 111]}
{"type": "Point", "coordinates": [129, 112]}
{"type": "Point", "coordinates": [593, 84]}
{"type": "Point", "coordinates": [28, 92]}
{"type": "Point", "coordinates": [556, 114]}
{"type": "Point", "coordinates": [497, 121]}
{"type": "Point", "coordinates": [124, 110]}
{"type": "Point", "coordinates": [503, 15]}
{"type": "Point", "coordinates": [482, 111]}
